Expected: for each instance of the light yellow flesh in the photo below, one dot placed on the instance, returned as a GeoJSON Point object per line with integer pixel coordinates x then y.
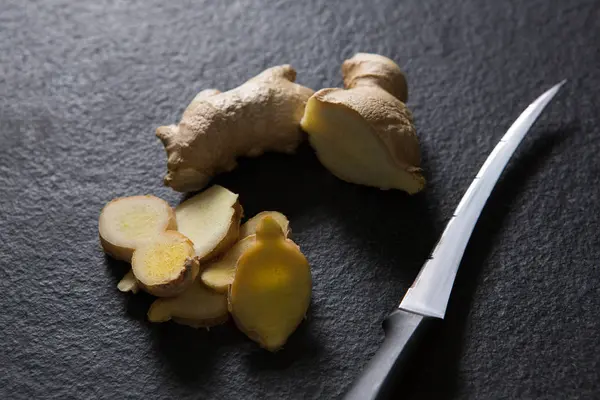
{"type": "Point", "coordinates": [165, 265]}
{"type": "Point", "coordinates": [271, 291]}
{"type": "Point", "coordinates": [130, 222]}
{"type": "Point", "coordinates": [346, 145]}
{"type": "Point", "coordinates": [197, 303]}
{"type": "Point", "coordinates": [128, 283]}
{"type": "Point", "coordinates": [249, 227]}
{"type": "Point", "coordinates": [206, 218]}
{"type": "Point", "coordinates": [219, 274]}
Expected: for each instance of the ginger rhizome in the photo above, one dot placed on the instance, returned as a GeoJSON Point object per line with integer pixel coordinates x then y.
{"type": "Point", "coordinates": [165, 266]}
{"type": "Point", "coordinates": [219, 274]}
{"type": "Point", "coordinates": [261, 115]}
{"type": "Point", "coordinates": [364, 133]}
{"type": "Point", "coordinates": [211, 220]}
{"type": "Point", "coordinates": [272, 287]}
{"type": "Point", "coordinates": [129, 222]}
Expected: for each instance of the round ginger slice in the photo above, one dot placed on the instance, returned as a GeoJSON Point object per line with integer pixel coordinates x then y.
{"type": "Point", "coordinates": [166, 266]}
{"type": "Point", "coordinates": [272, 288]}
{"type": "Point", "coordinates": [129, 222]}
{"type": "Point", "coordinates": [249, 228]}
{"type": "Point", "coordinates": [197, 307]}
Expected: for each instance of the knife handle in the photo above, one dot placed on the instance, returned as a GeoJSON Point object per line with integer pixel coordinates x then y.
{"type": "Point", "coordinates": [403, 329]}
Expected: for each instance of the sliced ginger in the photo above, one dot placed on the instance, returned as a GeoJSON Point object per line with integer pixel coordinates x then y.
{"type": "Point", "coordinates": [364, 134]}
{"type": "Point", "coordinates": [272, 288]}
{"type": "Point", "coordinates": [128, 283]}
{"type": "Point", "coordinates": [129, 222]}
{"type": "Point", "coordinates": [249, 227]}
{"type": "Point", "coordinates": [198, 307]}
{"type": "Point", "coordinates": [211, 220]}
{"type": "Point", "coordinates": [166, 266]}
{"type": "Point", "coordinates": [219, 274]}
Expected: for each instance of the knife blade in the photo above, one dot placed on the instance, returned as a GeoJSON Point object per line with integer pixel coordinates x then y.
{"type": "Point", "coordinates": [426, 300]}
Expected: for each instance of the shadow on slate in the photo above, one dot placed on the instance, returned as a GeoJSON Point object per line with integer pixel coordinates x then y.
{"type": "Point", "coordinates": [435, 373]}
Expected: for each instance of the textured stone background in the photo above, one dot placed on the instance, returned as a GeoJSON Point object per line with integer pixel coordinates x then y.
{"type": "Point", "coordinates": [83, 86]}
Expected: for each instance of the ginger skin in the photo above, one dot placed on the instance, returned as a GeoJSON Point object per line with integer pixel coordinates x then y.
{"type": "Point", "coordinates": [261, 115]}
{"type": "Point", "coordinates": [364, 133]}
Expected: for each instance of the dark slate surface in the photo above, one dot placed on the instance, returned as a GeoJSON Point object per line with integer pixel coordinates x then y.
{"type": "Point", "coordinates": [85, 83]}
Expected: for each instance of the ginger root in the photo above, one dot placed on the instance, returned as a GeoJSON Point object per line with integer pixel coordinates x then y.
{"type": "Point", "coordinates": [272, 287]}
{"type": "Point", "coordinates": [216, 128]}
{"type": "Point", "coordinates": [127, 223]}
{"type": "Point", "coordinates": [211, 220]}
{"type": "Point", "coordinates": [364, 134]}
{"type": "Point", "coordinates": [166, 266]}
{"type": "Point", "coordinates": [198, 307]}
{"type": "Point", "coordinates": [128, 283]}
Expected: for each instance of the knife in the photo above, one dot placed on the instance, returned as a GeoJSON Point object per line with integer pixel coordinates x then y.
{"type": "Point", "coordinates": [425, 302]}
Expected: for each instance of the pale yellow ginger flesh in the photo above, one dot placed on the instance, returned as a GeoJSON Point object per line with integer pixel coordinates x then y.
{"type": "Point", "coordinates": [249, 227]}
{"type": "Point", "coordinates": [165, 266]}
{"type": "Point", "coordinates": [216, 128]}
{"type": "Point", "coordinates": [198, 306]}
{"type": "Point", "coordinates": [219, 274]}
{"type": "Point", "coordinates": [272, 288]}
{"type": "Point", "coordinates": [128, 283]}
{"type": "Point", "coordinates": [364, 134]}
{"type": "Point", "coordinates": [211, 220]}
{"type": "Point", "coordinates": [129, 222]}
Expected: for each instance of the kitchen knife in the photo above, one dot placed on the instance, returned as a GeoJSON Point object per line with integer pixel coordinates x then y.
{"type": "Point", "coordinates": [426, 300]}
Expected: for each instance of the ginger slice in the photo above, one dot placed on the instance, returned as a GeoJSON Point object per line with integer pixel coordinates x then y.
{"type": "Point", "coordinates": [364, 134]}
{"type": "Point", "coordinates": [272, 287]}
{"type": "Point", "coordinates": [165, 266]}
{"type": "Point", "coordinates": [249, 227]}
{"type": "Point", "coordinates": [128, 283]}
{"type": "Point", "coordinates": [219, 274]}
{"type": "Point", "coordinates": [197, 306]}
{"type": "Point", "coordinates": [211, 220]}
{"type": "Point", "coordinates": [127, 223]}
{"type": "Point", "coordinates": [261, 115]}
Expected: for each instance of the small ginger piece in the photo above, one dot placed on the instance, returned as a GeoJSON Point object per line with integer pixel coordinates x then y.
{"type": "Point", "coordinates": [219, 274]}
{"type": "Point", "coordinates": [198, 307]}
{"type": "Point", "coordinates": [216, 128]}
{"type": "Point", "coordinates": [128, 283]}
{"type": "Point", "coordinates": [249, 227]}
{"type": "Point", "coordinates": [272, 287]}
{"type": "Point", "coordinates": [166, 266]}
{"type": "Point", "coordinates": [127, 223]}
{"type": "Point", "coordinates": [364, 133]}
{"type": "Point", "coordinates": [211, 220]}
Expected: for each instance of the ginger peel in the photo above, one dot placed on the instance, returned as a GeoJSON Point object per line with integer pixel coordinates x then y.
{"type": "Point", "coordinates": [272, 287]}
{"type": "Point", "coordinates": [261, 115]}
{"type": "Point", "coordinates": [364, 133]}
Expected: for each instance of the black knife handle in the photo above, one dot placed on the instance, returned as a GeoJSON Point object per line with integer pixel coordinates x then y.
{"type": "Point", "coordinates": [403, 330]}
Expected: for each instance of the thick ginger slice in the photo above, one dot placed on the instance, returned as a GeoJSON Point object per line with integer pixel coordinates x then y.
{"type": "Point", "coordinates": [272, 288]}
{"type": "Point", "coordinates": [249, 227]}
{"type": "Point", "coordinates": [211, 220]}
{"type": "Point", "coordinates": [216, 128]}
{"type": "Point", "coordinates": [129, 222]}
{"type": "Point", "coordinates": [364, 134]}
{"type": "Point", "coordinates": [198, 307]}
{"type": "Point", "coordinates": [165, 266]}
{"type": "Point", "coordinates": [219, 274]}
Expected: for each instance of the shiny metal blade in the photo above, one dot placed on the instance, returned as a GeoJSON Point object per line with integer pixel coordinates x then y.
{"type": "Point", "coordinates": [431, 290]}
